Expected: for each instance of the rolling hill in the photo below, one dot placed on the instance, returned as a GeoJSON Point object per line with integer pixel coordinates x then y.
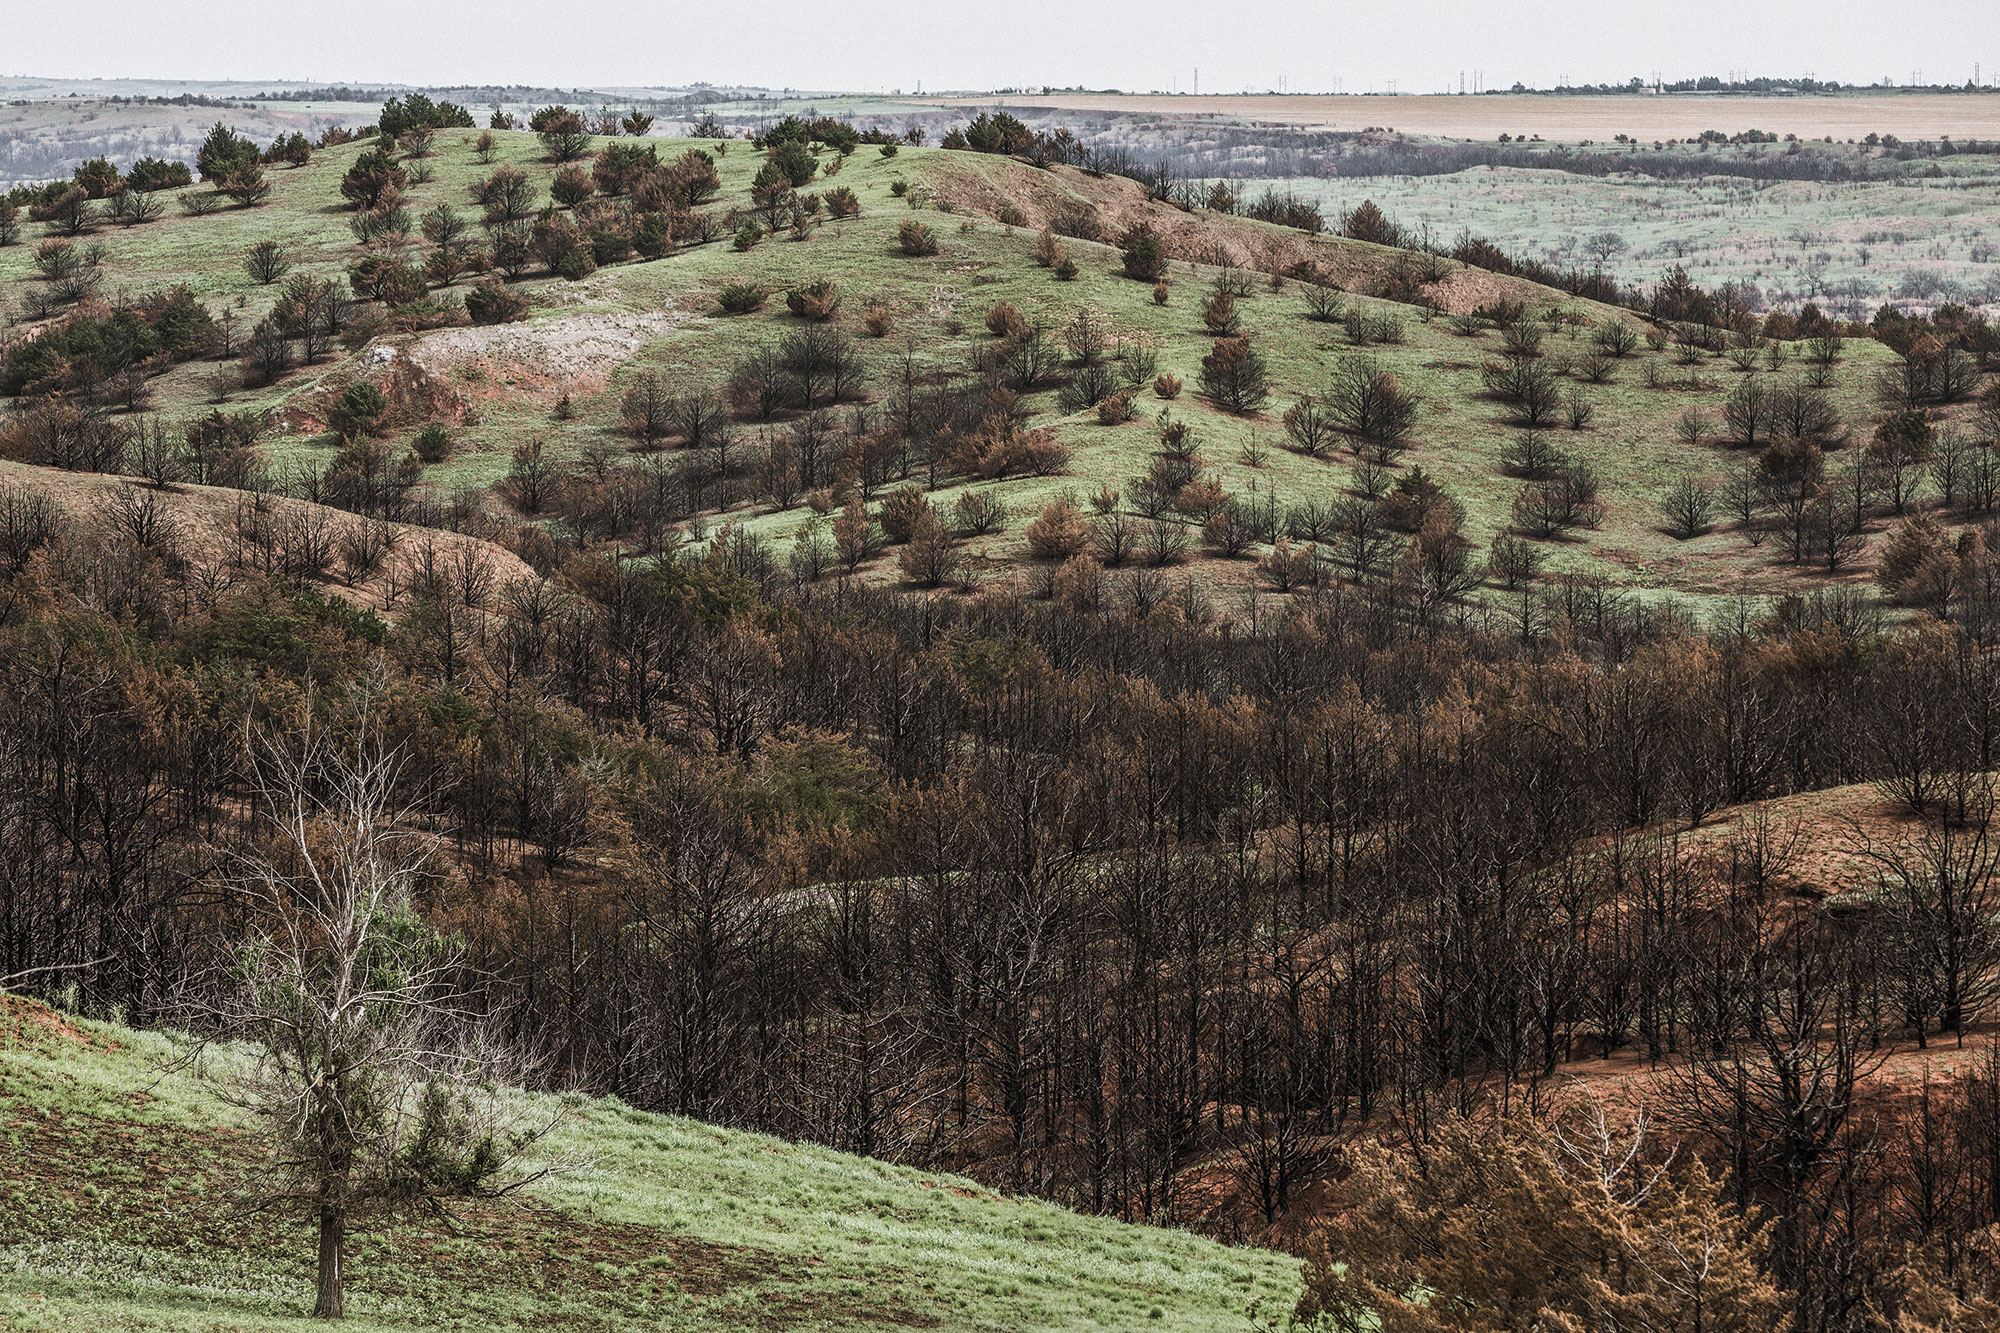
{"type": "Point", "coordinates": [560, 376]}
{"type": "Point", "coordinates": [115, 1214]}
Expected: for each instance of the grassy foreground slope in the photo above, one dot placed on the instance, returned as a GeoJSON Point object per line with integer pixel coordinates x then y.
{"type": "Point", "coordinates": [115, 1214]}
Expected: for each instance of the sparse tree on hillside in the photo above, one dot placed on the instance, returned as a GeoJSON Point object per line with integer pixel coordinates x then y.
{"type": "Point", "coordinates": [246, 185]}
{"type": "Point", "coordinates": [224, 152]}
{"type": "Point", "coordinates": [1143, 256]}
{"type": "Point", "coordinates": [1604, 246]}
{"type": "Point", "coordinates": [562, 134]}
{"type": "Point", "coordinates": [1368, 223]}
{"type": "Point", "coordinates": [1233, 376]}
{"type": "Point", "coordinates": [373, 175]}
{"type": "Point", "coordinates": [266, 355]}
{"type": "Point", "coordinates": [267, 262]}
{"type": "Point", "coordinates": [507, 198]}
{"type": "Point", "coordinates": [571, 186]}
{"type": "Point", "coordinates": [1687, 507]}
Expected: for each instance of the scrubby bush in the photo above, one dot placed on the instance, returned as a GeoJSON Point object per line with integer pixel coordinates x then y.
{"type": "Point", "coordinates": [1324, 303]}
{"type": "Point", "coordinates": [246, 186]}
{"type": "Point", "coordinates": [223, 152]}
{"type": "Point", "coordinates": [900, 511]}
{"type": "Point", "coordinates": [914, 238]}
{"type": "Point", "coordinates": [492, 303]}
{"type": "Point", "coordinates": [794, 162]}
{"type": "Point", "coordinates": [1143, 257]}
{"type": "Point", "coordinates": [620, 168]}
{"type": "Point", "coordinates": [358, 411]}
{"type": "Point", "coordinates": [1090, 385]}
{"type": "Point", "coordinates": [740, 298]}
{"type": "Point", "coordinates": [1559, 503]}
{"type": "Point", "coordinates": [818, 300]}
{"type": "Point", "coordinates": [1369, 402]}
{"type": "Point", "coordinates": [398, 284]}
{"type": "Point", "coordinates": [267, 261]}
{"type": "Point", "coordinates": [1115, 410]}
{"type": "Point", "coordinates": [373, 175]}
{"type": "Point", "coordinates": [1004, 320]}
{"type": "Point", "coordinates": [644, 410]}
{"type": "Point", "coordinates": [576, 264]}
{"type": "Point", "coordinates": [70, 212]}
{"type": "Point", "coordinates": [432, 444]}
{"type": "Point", "coordinates": [149, 174]}
{"type": "Point", "coordinates": [1233, 376]}
{"type": "Point", "coordinates": [1059, 531]}
{"type": "Point", "coordinates": [1309, 426]}
{"type": "Point", "coordinates": [562, 133]}
{"type": "Point", "coordinates": [506, 197]}
{"type": "Point", "coordinates": [1218, 314]}
{"type": "Point", "coordinates": [571, 186]}
{"type": "Point", "coordinates": [932, 556]}
{"type": "Point", "coordinates": [976, 513]}
{"type": "Point", "coordinates": [553, 237]}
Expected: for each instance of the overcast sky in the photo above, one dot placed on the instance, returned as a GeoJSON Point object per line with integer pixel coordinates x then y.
{"type": "Point", "coordinates": [870, 45]}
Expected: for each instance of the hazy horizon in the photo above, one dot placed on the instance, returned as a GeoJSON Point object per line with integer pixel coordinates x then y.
{"type": "Point", "coordinates": [888, 45]}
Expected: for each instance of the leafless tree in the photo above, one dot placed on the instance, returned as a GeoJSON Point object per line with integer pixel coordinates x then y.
{"type": "Point", "coordinates": [370, 1086]}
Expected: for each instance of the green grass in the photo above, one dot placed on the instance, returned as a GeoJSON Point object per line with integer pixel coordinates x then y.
{"type": "Point", "coordinates": [666, 310]}
{"type": "Point", "coordinates": [115, 1214]}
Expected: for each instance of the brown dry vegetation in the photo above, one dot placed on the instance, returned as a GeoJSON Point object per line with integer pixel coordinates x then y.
{"type": "Point", "coordinates": [990, 186]}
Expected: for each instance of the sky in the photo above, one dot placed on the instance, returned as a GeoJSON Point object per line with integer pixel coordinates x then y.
{"type": "Point", "coordinates": [884, 45]}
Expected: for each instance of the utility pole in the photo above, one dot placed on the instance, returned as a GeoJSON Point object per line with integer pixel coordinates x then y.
{"type": "Point", "coordinates": [1197, 80]}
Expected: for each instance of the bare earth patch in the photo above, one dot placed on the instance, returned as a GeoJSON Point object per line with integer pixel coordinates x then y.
{"type": "Point", "coordinates": [544, 358]}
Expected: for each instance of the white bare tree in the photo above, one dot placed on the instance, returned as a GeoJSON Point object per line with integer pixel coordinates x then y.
{"type": "Point", "coordinates": [369, 1081]}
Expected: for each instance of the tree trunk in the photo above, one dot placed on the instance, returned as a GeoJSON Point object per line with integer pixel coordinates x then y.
{"type": "Point", "coordinates": [332, 1230]}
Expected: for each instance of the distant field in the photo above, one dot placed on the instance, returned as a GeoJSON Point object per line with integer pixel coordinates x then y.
{"type": "Point", "coordinates": [40, 140]}
{"type": "Point", "coordinates": [1569, 119]}
{"type": "Point", "coordinates": [1848, 245]}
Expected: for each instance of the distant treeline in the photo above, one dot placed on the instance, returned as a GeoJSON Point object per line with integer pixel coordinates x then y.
{"type": "Point", "coordinates": [1277, 151]}
{"type": "Point", "coordinates": [486, 94]}
{"type": "Point", "coordinates": [1796, 162]}
{"type": "Point", "coordinates": [1711, 84]}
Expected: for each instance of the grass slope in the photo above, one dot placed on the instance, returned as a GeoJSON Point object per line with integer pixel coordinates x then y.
{"type": "Point", "coordinates": [590, 339]}
{"type": "Point", "coordinates": [115, 1215]}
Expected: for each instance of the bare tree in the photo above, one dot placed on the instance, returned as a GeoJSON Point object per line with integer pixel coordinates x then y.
{"type": "Point", "coordinates": [372, 1090]}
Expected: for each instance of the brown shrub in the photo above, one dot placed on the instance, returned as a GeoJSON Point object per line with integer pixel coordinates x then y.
{"type": "Point", "coordinates": [1060, 530]}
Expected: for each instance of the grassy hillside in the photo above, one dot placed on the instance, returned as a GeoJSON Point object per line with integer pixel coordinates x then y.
{"type": "Point", "coordinates": [588, 340]}
{"type": "Point", "coordinates": [115, 1215]}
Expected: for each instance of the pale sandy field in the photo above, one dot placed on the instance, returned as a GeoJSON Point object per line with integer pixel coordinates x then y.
{"type": "Point", "coordinates": [1569, 119]}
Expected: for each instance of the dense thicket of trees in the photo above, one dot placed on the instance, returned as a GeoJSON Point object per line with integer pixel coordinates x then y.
{"type": "Point", "coordinates": [1075, 895]}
